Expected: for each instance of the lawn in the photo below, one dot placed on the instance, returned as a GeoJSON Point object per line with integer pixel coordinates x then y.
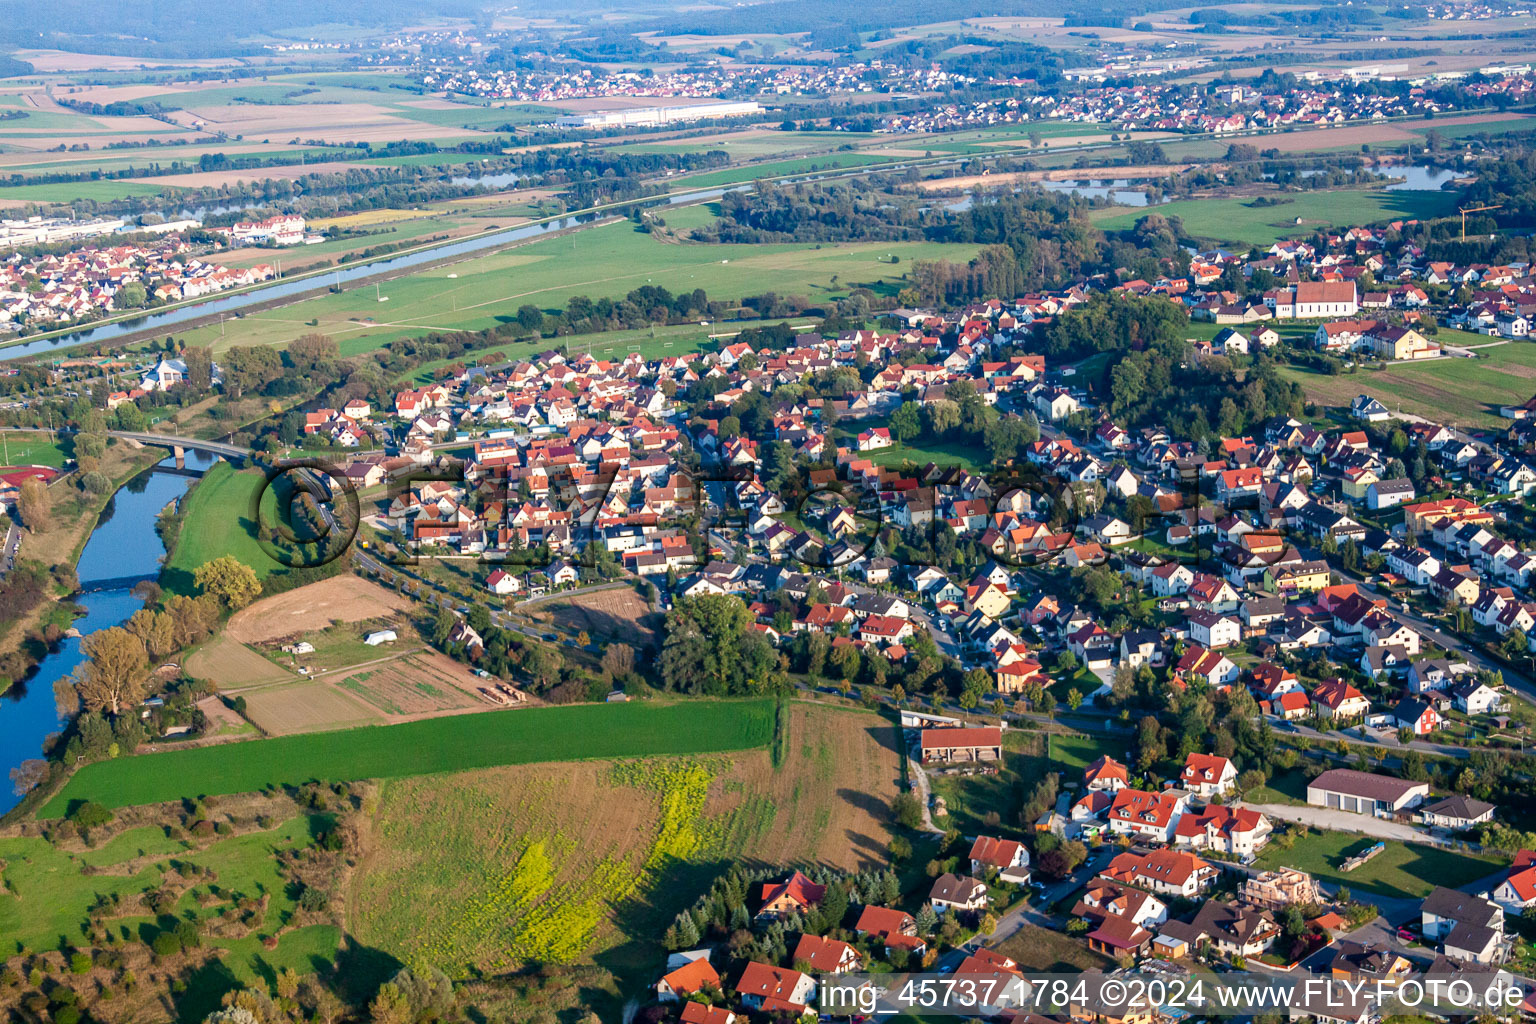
{"type": "Point", "coordinates": [458, 743]}
{"type": "Point", "coordinates": [1462, 392]}
{"type": "Point", "coordinates": [1075, 753]}
{"type": "Point", "coordinates": [31, 450]}
{"type": "Point", "coordinates": [217, 521]}
{"type": "Point", "coordinates": [1237, 221]}
{"type": "Point", "coordinates": [1403, 869]}
{"type": "Point", "coordinates": [940, 453]}
{"type": "Point", "coordinates": [610, 261]}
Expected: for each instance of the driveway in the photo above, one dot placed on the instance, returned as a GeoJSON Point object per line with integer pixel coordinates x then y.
{"type": "Point", "coordinates": [1341, 821]}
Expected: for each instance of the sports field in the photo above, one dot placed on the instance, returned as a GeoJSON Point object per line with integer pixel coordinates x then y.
{"type": "Point", "coordinates": [570, 733]}
{"type": "Point", "coordinates": [1238, 221]}
{"type": "Point", "coordinates": [29, 449]}
{"type": "Point", "coordinates": [610, 261]}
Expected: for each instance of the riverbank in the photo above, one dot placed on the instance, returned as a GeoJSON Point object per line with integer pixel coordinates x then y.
{"type": "Point", "coordinates": [74, 516]}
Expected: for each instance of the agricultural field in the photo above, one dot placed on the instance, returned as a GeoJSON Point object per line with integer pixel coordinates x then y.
{"type": "Point", "coordinates": [1404, 869]}
{"type": "Point", "coordinates": [615, 615]}
{"type": "Point", "coordinates": [460, 743]}
{"type": "Point", "coordinates": [1461, 392]}
{"type": "Point", "coordinates": [586, 863]}
{"type": "Point", "coordinates": [232, 665]}
{"type": "Point", "coordinates": [1237, 220]}
{"type": "Point", "coordinates": [610, 260]}
{"type": "Point", "coordinates": [777, 168]}
{"type": "Point", "coordinates": [344, 598]}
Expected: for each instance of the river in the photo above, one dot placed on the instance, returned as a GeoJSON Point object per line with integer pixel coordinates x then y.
{"type": "Point", "coordinates": [341, 276]}
{"type": "Point", "coordinates": [123, 545]}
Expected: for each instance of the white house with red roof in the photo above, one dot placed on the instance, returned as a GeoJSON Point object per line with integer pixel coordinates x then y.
{"type": "Point", "coordinates": [1106, 774]}
{"type": "Point", "coordinates": [1207, 775]}
{"type": "Point", "coordinates": [1144, 815]}
{"type": "Point", "coordinates": [1237, 831]}
{"type": "Point", "coordinates": [1008, 856]}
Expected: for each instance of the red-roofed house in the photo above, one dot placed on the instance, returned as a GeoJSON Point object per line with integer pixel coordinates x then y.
{"type": "Point", "coordinates": [1240, 831]}
{"type": "Point", "coordinates": [1106, 773]}
{"type": "Point", "coordinates": [687, 979]}
{"type": "Point", "coordinates": [1008, 856]}
{"type": "Point", "coordinates": [897, 927]}
{"type": "Point", "coordinates": [1207, 774]}
{"type": "Point", "coordinates": [794, 895]}
{"type": "Point", "coordinates": [1146, 815]}
{"type": "Point", "coordinates": [768, 988]}
{"type": "Point", "coordinates": [827, 956]}
{"type": "Point", "coordinates": [703, 1013]}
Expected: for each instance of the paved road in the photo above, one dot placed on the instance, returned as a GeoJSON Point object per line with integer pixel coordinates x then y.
{"type": "Point", "coordinates": [1341, 821]}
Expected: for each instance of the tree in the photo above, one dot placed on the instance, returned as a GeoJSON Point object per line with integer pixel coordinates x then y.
{"type": "Point", "coordinates": [114, 673]}
{"type": "Point", "coordinates": [904, 422]}
{"type": "Point", "coordinates": [227, 578]}
{"type": "Point", "coordinates": [619, 661]}
{"type": "Point", "coordinates": [907, 811]}
{"type": "Point", "coordinates": [130, 296]}
{"type": "Point", "coordinates": [33, 504]}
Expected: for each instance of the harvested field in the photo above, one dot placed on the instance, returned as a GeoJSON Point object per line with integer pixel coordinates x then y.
{"type": "Point", "coordinates": [1355, 135]}
{"type": "Point", "coordinates": [826, 803]}
{"type": "Point", "coordinates": [313, 705]}
{"type": "Point", "coordinates": [335, 122]}
{"type": "Point", "coordinates": [415, 686]}
{"type": "Point", "coordinates": [230, 665]}
{"type": "Point", "coordinates": [218, 179]}
{"type": "Point", "coordinates": [617, 614]}
{"type": "Point", "coordinates": [59, 60]}
{"type": "Point", "coordinates": [314, 607]}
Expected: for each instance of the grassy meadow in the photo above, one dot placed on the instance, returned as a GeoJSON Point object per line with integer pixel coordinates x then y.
{"type": "Point", "coordinates": [587, 863]}
{"type": "Point", "coordinates": [54, 890]}
{"type": "Point", "coordinates": [1463, 392]}
{"type": "Point", "coordinates": [1236, 220]}
{"type": "Point", "coordinates": [611, 260]}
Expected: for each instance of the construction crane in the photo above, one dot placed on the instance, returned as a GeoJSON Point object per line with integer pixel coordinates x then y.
{"type": "Point", "coordinates": [1473, 209]}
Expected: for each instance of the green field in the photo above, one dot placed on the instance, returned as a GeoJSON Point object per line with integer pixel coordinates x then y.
{"type": "Point", "coordinates": [54, 890]}
{"type": "Point", "coordinates": [217, 521]}
{"type": "Point", "coordinates": [1462, 392]}
{"type": "Point", "coordinates": [1462, 131]}
{"type": "Point", "coordinates": [68, 191]}
{"type": "Point", "coordinates": [776, 168]}
{"type": "Point", "coordinates": [1235, 220]}
{"type": "Point", "coordinates": [942, 453]}
{"type": "Point", "coordinates": [31, 450]}
{"type": "Point", "coordinates": [1402, 869]}
{"type": "Point", "coordinates": [459, 743]}
{"type": "Point", "coordinates": [610, 260]}
{"type": "Point", "coordinates": [1075, 753]}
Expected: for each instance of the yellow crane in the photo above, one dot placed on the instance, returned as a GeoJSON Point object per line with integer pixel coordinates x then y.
{"type": "Point", "coordinates": [1464, 210]}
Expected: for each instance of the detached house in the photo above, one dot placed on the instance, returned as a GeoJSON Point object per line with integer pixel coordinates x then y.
{"type": "Point", "coordinates": [1208, 775]}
